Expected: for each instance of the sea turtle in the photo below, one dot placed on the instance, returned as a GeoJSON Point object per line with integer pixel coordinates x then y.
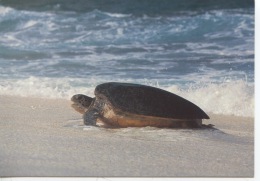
{"type": "Point", "coordinates": [133, 105]}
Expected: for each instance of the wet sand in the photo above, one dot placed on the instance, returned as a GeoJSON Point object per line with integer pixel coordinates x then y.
{"type": "Point", "coordinates": [44, 137]}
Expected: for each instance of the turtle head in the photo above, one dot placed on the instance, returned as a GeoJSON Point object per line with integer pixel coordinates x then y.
{"type": "Point", "coordinates": [81, 102]}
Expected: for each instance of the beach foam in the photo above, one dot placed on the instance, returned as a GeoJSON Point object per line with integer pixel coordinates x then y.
{"type": "Point", "coordinates": [229, 98]}
{"type": "Point", "coordinates": [232, 98]}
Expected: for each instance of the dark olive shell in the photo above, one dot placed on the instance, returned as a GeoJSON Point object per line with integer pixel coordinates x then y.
{"type": "Point", "coordinates": [148, 101]}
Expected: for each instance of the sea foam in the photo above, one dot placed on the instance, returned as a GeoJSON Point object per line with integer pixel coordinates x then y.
{"type": "Point", "coordinates": [229, 98]}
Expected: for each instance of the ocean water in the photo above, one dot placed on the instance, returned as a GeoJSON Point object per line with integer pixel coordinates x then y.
{"type": "Point", "coordinates": [201, 50]}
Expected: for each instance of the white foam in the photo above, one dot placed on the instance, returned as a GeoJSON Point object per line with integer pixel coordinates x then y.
{"type": "Point", "coordinates": [117, 15]}
{"type": "Point", "coordinates": [29, 24]}
{"type": "Point", "coordinates": [228, 98]}
{"type": "Point", "coordinates": [42, 87]}
{"type": "Point", "coordinates": [11, 40]}
{"type": "Point", "coordinates": [4, 10]}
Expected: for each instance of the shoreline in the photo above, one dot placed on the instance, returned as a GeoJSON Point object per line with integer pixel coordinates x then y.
{"type": "Point", "coordinates": [46, 137]}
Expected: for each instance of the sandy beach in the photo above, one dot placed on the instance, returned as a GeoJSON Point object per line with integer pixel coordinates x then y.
{"type": "Point", "coordinates": [46, 137]}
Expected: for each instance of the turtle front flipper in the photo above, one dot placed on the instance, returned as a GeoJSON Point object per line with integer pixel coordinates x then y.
{"type": "Point", "coordinates": [90, 116]}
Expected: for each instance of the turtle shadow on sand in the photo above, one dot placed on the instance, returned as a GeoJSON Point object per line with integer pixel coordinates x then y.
{"type": "Point", "coordinates": [210, 127]}
{"type": "Point", "coordinates": [121, 105]}
{"type": "Point", "coordinates": [148, 133]}
{"type": "Point", "coordinates": [205, 132]}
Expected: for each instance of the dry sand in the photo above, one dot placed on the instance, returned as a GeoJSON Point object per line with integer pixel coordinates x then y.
{"type": "Point", "coordinates": [40, 137]}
